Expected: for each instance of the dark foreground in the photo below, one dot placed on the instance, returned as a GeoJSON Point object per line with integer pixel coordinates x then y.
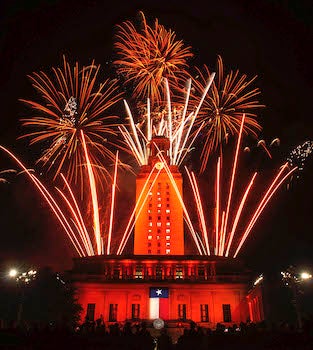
{"type": "Point", "coordinates": [139, 337]}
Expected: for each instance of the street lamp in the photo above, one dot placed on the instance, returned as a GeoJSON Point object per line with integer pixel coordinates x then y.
{"type": "Point", "coordinates": [13, 273]}
{"type": "Point", "coordinates": [22, 279]}
{"type": "Point", "coordinates": [305, 276]}
{"type": "Point", "coordinates": [293, 280]}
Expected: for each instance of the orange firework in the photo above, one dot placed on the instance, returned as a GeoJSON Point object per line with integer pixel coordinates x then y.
{"type": "Point", "coordinates": [147, 56]}
{"type": "Point", "coordinates": [229, 97]}
{"type": "Point", "coordinates": [72, 101]}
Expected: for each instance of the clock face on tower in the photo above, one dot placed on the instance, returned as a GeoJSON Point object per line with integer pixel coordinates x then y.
{"type": "Point", "coordinates": [159, 165]}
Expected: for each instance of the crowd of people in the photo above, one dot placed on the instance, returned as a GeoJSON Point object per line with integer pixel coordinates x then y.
{"type": "Point", "coordinates": [142, 336]}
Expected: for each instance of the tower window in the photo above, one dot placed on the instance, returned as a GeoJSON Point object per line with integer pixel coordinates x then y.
{"type": "Point", "coordinates": [168, 244]}
{"type": "Point", "coordinates": [149, 244]}
{"type": "Point", "coordinates": [158, 237]}
{"type": "Point", "coordinates": [150, 217]}
{"type": "Point", "coordinates": [168, 230]}
{"type": "Point", "coordinates": [167, 251]}
{"type": "Point", "coordinates": [168, 238]}
{"type": "Point", "coordinates": [149, 237]}
{"type": "Point", "coordinates": [159, 217]}
{"type": "Point", "coordinates": [168, 224]}
{"type": "Point", "coordinates": [167, 218]}
{"type": "Point", "coordinates": [167, 211]}
{"type": "Point", "coordinates": [159, 224]}
{"type": "Point", "coordinates": [150, 223]}
{"type": "Point", "coordinates": [159, 205]}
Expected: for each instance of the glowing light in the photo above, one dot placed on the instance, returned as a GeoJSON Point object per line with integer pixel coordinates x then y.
{"type": "Point", "coordinates": [305, 275]}
{"type": "Point", "coordinates": [13, 273]}
{"type": "Point", "coordinates": [258, 280]}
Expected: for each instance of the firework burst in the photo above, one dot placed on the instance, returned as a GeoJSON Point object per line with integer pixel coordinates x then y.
{"type": "Point", "coordinates": [230, 96]}
{"type": "Point", "coordinates": [299, 155]}
{"type": "Point", "coordinates": [147, 56]}
{"type": "Point", "coordinates": [72, 101]}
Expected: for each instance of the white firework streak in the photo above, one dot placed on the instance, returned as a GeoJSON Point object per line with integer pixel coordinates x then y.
{"type": "Point", "coordinates": [138, 138]}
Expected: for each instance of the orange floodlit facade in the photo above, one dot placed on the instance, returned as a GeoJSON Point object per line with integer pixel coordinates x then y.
{"type": "Point", "coordinates": [159, 217]}
{"type": "Point", "coordinates": [158, 280]}
{"type": "Point", "coordinates": [207, 291]}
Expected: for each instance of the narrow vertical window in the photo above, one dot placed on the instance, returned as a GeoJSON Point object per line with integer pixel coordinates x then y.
{"type": "Point", "coordinates": [182, 311]}
{"type": "Point", "coordinates": [226, 313]}
{"type": "Point", "coordinates": [91, 312]}
{"type": "Point", "coordinates": [204, 312]}
{"type": "Point", "coordinates": [113, 313]}
{"type": "Point", "coordinates": [135, 311]}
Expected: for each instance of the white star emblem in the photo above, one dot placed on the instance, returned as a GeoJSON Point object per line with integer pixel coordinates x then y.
{"type": "Point", "coordinates": [158, 292]}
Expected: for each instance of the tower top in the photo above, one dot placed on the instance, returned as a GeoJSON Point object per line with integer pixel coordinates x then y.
{"type": "Point", "coordinates": [158, 144]}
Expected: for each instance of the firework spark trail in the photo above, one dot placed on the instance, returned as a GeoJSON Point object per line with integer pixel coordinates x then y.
{"type": "Point", "coordinates": [179, 134]}
{"type": "Point", "coordinates": [232, 183]}
{"type": "Point", "coordinates": [112, 205]}
{"type": "Point", "coordinates": [237, 218]}
{"type": "Point", "coordinates": [138, 148]}
{"type": "Point", "coordinates": [94, 197]}
{"type": "Point", "coordinates": [220, 242]}
{"type": "Point", "coordinates": [179, 196]}
{"type": "Point", "coordinates": [135, 214]}
{"type": "Point", "coordinates": [271, 191]}
{"type": "Point", "coordinates": [81, 223]}
{"type": "Point", "coordinates": [51, 202]}
{"type": "Point", "coordinates": [180, 129]}
{"type": "Point", "coordinates": [77, 224]}
{"type": "Point", "coordinates": [197, 197]}
{"type": "Point", "coordinates": [205, 232]}
{"type": "Point", "coordinates": [263, 144]}
{"type": "Point", "coordinates": [194, 116]}
{"type": "Point", "coordinates": [217, 213]}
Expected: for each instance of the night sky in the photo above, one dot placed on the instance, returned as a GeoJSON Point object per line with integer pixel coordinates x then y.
{"type": "Point", "coordinates": [271, 39]}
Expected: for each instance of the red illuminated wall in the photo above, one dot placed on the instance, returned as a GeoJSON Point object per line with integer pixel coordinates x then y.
{"type": "Point", "coordinates": [255, 304]}
{"type": "Point", "coordinates": [124, 294]}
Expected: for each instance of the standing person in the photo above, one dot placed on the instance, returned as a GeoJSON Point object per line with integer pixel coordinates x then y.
{"type": "Point", "coordinates": [164, 341]}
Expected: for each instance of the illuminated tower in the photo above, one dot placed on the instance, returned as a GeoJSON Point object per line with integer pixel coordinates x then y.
{"type": "Point", "coordinates": [159, 224]}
